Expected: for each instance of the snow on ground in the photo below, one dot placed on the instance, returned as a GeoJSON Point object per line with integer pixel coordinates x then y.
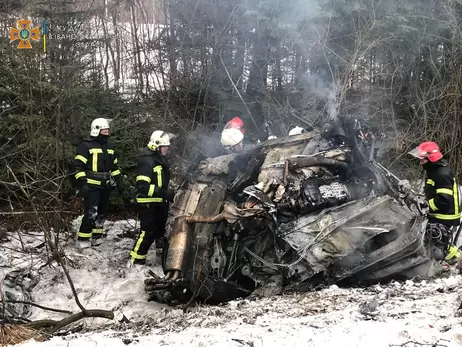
{"type": "Point", "coordinates": [424, 312]}
{"type": "Point", "coordinates": [99, 274]}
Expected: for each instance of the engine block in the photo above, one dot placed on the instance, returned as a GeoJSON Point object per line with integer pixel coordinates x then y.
{"type": "Point", "coordinates": [335, 190]}
{"type": "Point", "coordinates": [319, 195]}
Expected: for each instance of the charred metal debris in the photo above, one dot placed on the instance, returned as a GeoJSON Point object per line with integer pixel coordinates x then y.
{"type": "Point", "coordinates": [292, 214]}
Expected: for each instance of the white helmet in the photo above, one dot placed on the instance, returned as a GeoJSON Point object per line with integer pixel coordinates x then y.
{"type": "Point", "coordinates": [231, 137]}
{"type": "Point", "coordinates": [97, 125]}
{"type": "Point", "coordinates": [159, 138]}
{"type": "Point", "coordinates": [296, 131]}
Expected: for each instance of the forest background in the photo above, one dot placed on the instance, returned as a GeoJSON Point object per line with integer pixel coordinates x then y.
{"type": "Point", "coordinates": [188, 66]}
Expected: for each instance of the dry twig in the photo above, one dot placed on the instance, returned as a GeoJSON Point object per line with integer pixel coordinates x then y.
{"type": "Point", "coordinates": [415, 343]}
{"type": "Point", "coordinates": [52, 326]}
{"type": "Point", "coordinates": [36, 305]}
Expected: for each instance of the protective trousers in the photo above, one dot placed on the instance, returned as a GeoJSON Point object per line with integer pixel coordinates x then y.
{"type": "Point", "coordinates": [95, 214]}
{"type": "Point", "coordinates": [153, 218]}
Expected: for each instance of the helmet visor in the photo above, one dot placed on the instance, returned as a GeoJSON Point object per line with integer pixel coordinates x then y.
{"type": "Point", "coordinates": [231, 137]}
{"type": "Point", "coordinates": [418, 153]}
{"type": "Point", "coordinates": [106, 124]}
{"type": "Point", "coordinates": [172, 136]}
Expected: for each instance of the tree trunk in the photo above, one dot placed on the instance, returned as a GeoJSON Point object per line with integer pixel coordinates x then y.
{"type": "Point", "coordinates": [257, 82]}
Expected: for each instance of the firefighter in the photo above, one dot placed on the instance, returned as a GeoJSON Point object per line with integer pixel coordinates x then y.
{"type": "Point", "coordinates": [236, 123]}
{"type": "Point", "coordinates": [153, 195]}
{"type": "Point", "coordinates": [232, 139]}
{"type": "Point", "coordinates": [441, 194]}
{"type": "Point", "coordinates": [97, 169]}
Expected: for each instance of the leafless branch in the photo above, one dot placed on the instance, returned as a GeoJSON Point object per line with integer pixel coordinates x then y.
{"type": "Point", "coordinates": [415, 343]}
{"type": "Point", "coordinates": [37, 305]}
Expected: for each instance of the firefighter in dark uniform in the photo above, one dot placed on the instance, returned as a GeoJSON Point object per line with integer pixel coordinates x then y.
{"type": "Point", "coordinates": [96, 166]}
{"type": "Point", "coordinates": [153, 195]}
{"type": "Point", "coordinates": [441, 194]}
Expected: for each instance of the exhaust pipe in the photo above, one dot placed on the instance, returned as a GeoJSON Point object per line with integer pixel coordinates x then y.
{"type": "Point", "coordinates": [179, 243]}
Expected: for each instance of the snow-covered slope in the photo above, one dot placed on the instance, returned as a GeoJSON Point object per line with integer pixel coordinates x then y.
{"type": "Point", "coordinates": [422, 312]}
{"type": "Point", "coordinates": [100, 275]}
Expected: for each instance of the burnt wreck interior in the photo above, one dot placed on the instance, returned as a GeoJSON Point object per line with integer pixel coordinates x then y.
{"type": "Point", "coordinates": [291, 214]}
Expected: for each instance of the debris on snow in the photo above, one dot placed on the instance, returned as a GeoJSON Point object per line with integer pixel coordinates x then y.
{"type": "Point", "coordinates": [381, 315]}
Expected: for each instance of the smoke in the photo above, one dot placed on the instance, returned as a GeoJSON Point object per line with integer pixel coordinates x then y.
{"type": "Point", "coordinates": [325, 90]}
{"type": "Point", "coordinates": [298, 12]}
{"type": "Point", "coordinates": [202, 141]}
{"type": "Point", "coordinates": [306, 25]}
{"type": "Point", "coordinates": [333, 102]}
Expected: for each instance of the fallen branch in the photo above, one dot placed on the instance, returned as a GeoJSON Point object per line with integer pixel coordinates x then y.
{"type": "Point", "coordinates": [53, 326]}
{"type": "Point", "coordinates": [36, 305]}
{"type": "Point", "coordinates": [53, 246]}
{"type": "Point", "coordinates": [56, 325]}
{"type": "Point", "coordinates": [434, 344]}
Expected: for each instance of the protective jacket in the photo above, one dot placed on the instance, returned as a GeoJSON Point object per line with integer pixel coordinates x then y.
{"type": "Point", "coordinates": [441, 194]}
{"type": "Point", "coordinates": [153, 177]}
{"type": "Point", "coordinates": [95, 162]}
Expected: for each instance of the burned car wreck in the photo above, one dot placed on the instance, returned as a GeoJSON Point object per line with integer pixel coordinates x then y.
{"type": "Point", "coordinates": [291, 214]}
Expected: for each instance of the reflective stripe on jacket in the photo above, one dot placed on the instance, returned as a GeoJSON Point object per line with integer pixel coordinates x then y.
{"type": "Point", "coordinates": [95, 159]}
{"type": "Point", "coordinates": [442, 194]}
{"type": "Point", "coordinates": [152, 177]}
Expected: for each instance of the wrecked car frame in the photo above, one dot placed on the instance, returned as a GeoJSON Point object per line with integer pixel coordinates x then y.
{"type": "Point", "coordinates": [291, 214]}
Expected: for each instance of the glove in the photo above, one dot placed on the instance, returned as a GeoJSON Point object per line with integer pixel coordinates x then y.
{"type": "Point", "coordinates": [169, 195]}
{"type": "Point", "coordinates": [83, 190]}
{"type": "Point", "coordinates": [422, 205]}
{"type": "Point", "coordinates": [166, 194]}
{"type": "Point", "coordinates": [113, 182]}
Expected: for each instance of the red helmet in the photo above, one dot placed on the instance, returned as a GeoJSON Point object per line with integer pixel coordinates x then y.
{"type": "Point", "coordinates": [236, 123]}
{"type": "Point", "coordinates": [427, 150]}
